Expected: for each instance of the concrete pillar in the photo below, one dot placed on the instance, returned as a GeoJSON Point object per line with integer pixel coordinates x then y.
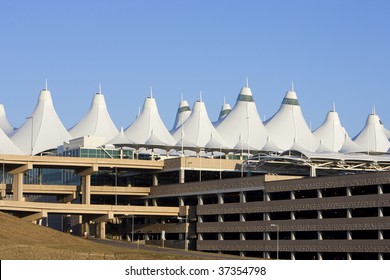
{"type": "Point", "coordinates": [266, 255]}
{"type": "Point", "coordinates": [292, 215]}
{"type": "Point", "coordinates": [182, 176]}
{"type": "Point", "coordinates": [242, 197]}
{"type": "Point", "coordinates": [380, 189]}
{"type": "Point", "coordinates": [155, 180]}
{"type": "Point", "coordinates": [349, 235]}
{"type": "Point", "coordinates": [86, 189]}
{"type": "Point", "coordinates": [242, 236]}
{"type": "Point", "coordinates": [200, 200]}
{"type": "Point", "coordinates": [220, 218]}
{"type": "Point", "coordinates": [266, 216]}
{"type": "Point", "coordinates": [380, 256]}
{"type": "Point", "coordinates": [220, 236]}
{"type": "Point", "coordinates": [380, 234]}
{"type": "Point", "coordinates": [319, 193]}
{"type": "Point", "coordinates": [319, 256]}
{"type": "Point", "coordinates": [85, 228]}
{"type": "Point", "coordinates": [200, 236]}
{"type": "Point", "coordinates": [380, 212]}
{"type": "Point", "coordinates": [292, 256]}
{"type": "Point", "coordinates": [17, 187]}
{"type": "Point", "coordinates": [220, 198]}
{"type": "Point", "coordinates": [267, 197]}
{"type": "Point", "coordinates": [102, 230]}
{"type": "Point", "coordinates": [181, 201]}
{"type": "Point", "coordinates": [313, 172]}
{"type": "Point", "coordinates": [154, 202]}
{"type": "Point", "coordinates": [267, 236]}
{"type": "Point", "coordinates": [319, 235]}
{"type": "Point", "coordinates": [242, 217]}
{"type": "Point", "coordinates": [319, 214]}
{"type": "Point", "coordinates": [200, 219]}
{"type": "Point", "coordinates": [349, 256]}
{"type": "Point", "coordinates": [146, 202]}
{"type": "Point", "coordinates": [349, 213]}
{"type": "Point", "coordinates": [242, 254]}
{"type": "Point", "coordinates": [349, 192]}
{"type": "Point", "coordinates": [292, 195]}
{"type": "Point", "coordinates": [292, 234]}
{"type": "Point", "coordinates": [3, 190]}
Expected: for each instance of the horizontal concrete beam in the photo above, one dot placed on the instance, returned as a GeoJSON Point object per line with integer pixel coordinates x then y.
{"type": "Point", "coordinates": [93, 209]}
{"type": "Point", "coordinates": [104, 218]}
{"type": "Point", "coordinates": [88, 171]}
{"type": "Point", "coordinates": [35, 216]}
{"type": "Point", "coordinates": [21, 169]}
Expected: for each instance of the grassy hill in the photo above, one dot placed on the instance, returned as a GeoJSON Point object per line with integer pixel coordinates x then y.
{"type": "Point", "coordinates": [23, 240]}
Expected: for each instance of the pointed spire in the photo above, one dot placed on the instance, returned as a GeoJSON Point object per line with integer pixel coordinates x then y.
{"type": "Point", "coordinates": [224, 100]}
{"type": "Point", "coordinates": [46, 84]}
{"type": "Point", "coordinates": [182, 97]}
{"type": "Point", "coordinates": [100, 88]}
{"type": "Point", "coordinates": [200, 96]}
{"type": "Point", "coordinates": [292, 85]}
{"type": "Point", "coordinates": [247, 82]}
{"type": "Point", "coordinates": [151, 92]}
{"type": "Point", "coordinates": [334, 106]}
{"type": "Point", "coordinates": [373, 110]}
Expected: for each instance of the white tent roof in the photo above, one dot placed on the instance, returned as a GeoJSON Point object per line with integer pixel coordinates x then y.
{"type": "Point", "coordinates": [4, 123]}
{"type": "Point", "coordinates": [183, 112]}
{"type": "Point", "coordinates": [7, 147]}
{"type": "Point", "coordinates": [43, 129]}
{"type": "Point", "coordinates": [372, 137]}
{"type": "Point", "coordinates": [243, 120]}
{"type": "Point", "coordinates": [225, 111]}
{"type": "Point", "coordinates": [154, 140]}
{"type": "Point", "coordinates": [97, 121]}
{"type": "Point", "coordinates": [288, 126]}
{"type": "Point", "coordinates": [120, 139]}
{"type": "Point", "coordinates": [331, 133]}
{"type": "Point", "coordinates": [350, 146]}
{"type": "Point", "coordinates": [197, 129]}
{"type": "Point", "coordinates": [387, 132]}
{"type": "Point", "coordinates": [149, 120]}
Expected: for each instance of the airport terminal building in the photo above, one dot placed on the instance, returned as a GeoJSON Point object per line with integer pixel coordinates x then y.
{"type": "Point", "coordinates": [272, 189]}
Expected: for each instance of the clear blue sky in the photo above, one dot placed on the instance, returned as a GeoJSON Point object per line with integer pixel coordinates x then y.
{"type": "Point", "coordinates": [334, 51]}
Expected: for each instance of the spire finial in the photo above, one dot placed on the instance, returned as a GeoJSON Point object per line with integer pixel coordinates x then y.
{"type": "Point", "coordinates": [373, 110]}
{"type": "Point", "coordinates": [292, 85]}
{"type": "Point", "coordinates": [247, 82]}
{"type": "Point", "coordinates": [200, 96]}
{"type": "Point", "coordinates": [182, 97]}
{"type": "Point", "coordinates": [334, 106]}
{"type": "Point", "coordinates": [100, 88]}
{"type": "Point", "coordinates": [45, 84]}
{"type": "Point", "coordinates": [151, 92]}
{"type": "Point", "coordinates": [224, 100]}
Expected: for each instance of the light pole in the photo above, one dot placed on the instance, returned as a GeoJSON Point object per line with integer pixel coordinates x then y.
{"type": "Point", "coordinates": [132, 229]}
{"type": "Point", "coordinates": [32, 132]}
{"type": "Point", "coordinates": [277, 240]}
{"type": "Point", "coordinates": [116, 183]}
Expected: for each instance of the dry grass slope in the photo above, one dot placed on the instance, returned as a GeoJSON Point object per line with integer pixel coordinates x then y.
{"type": "Point", "coordinates": [21, 240]}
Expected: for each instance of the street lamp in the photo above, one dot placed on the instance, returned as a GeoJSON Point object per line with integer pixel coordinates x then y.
{"type": "Point", "coordinates": [277, 240]}
{"type": "Point", "coordinates": [32, 132]}
{"type": "Point", "coordinates": [132, 229]}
